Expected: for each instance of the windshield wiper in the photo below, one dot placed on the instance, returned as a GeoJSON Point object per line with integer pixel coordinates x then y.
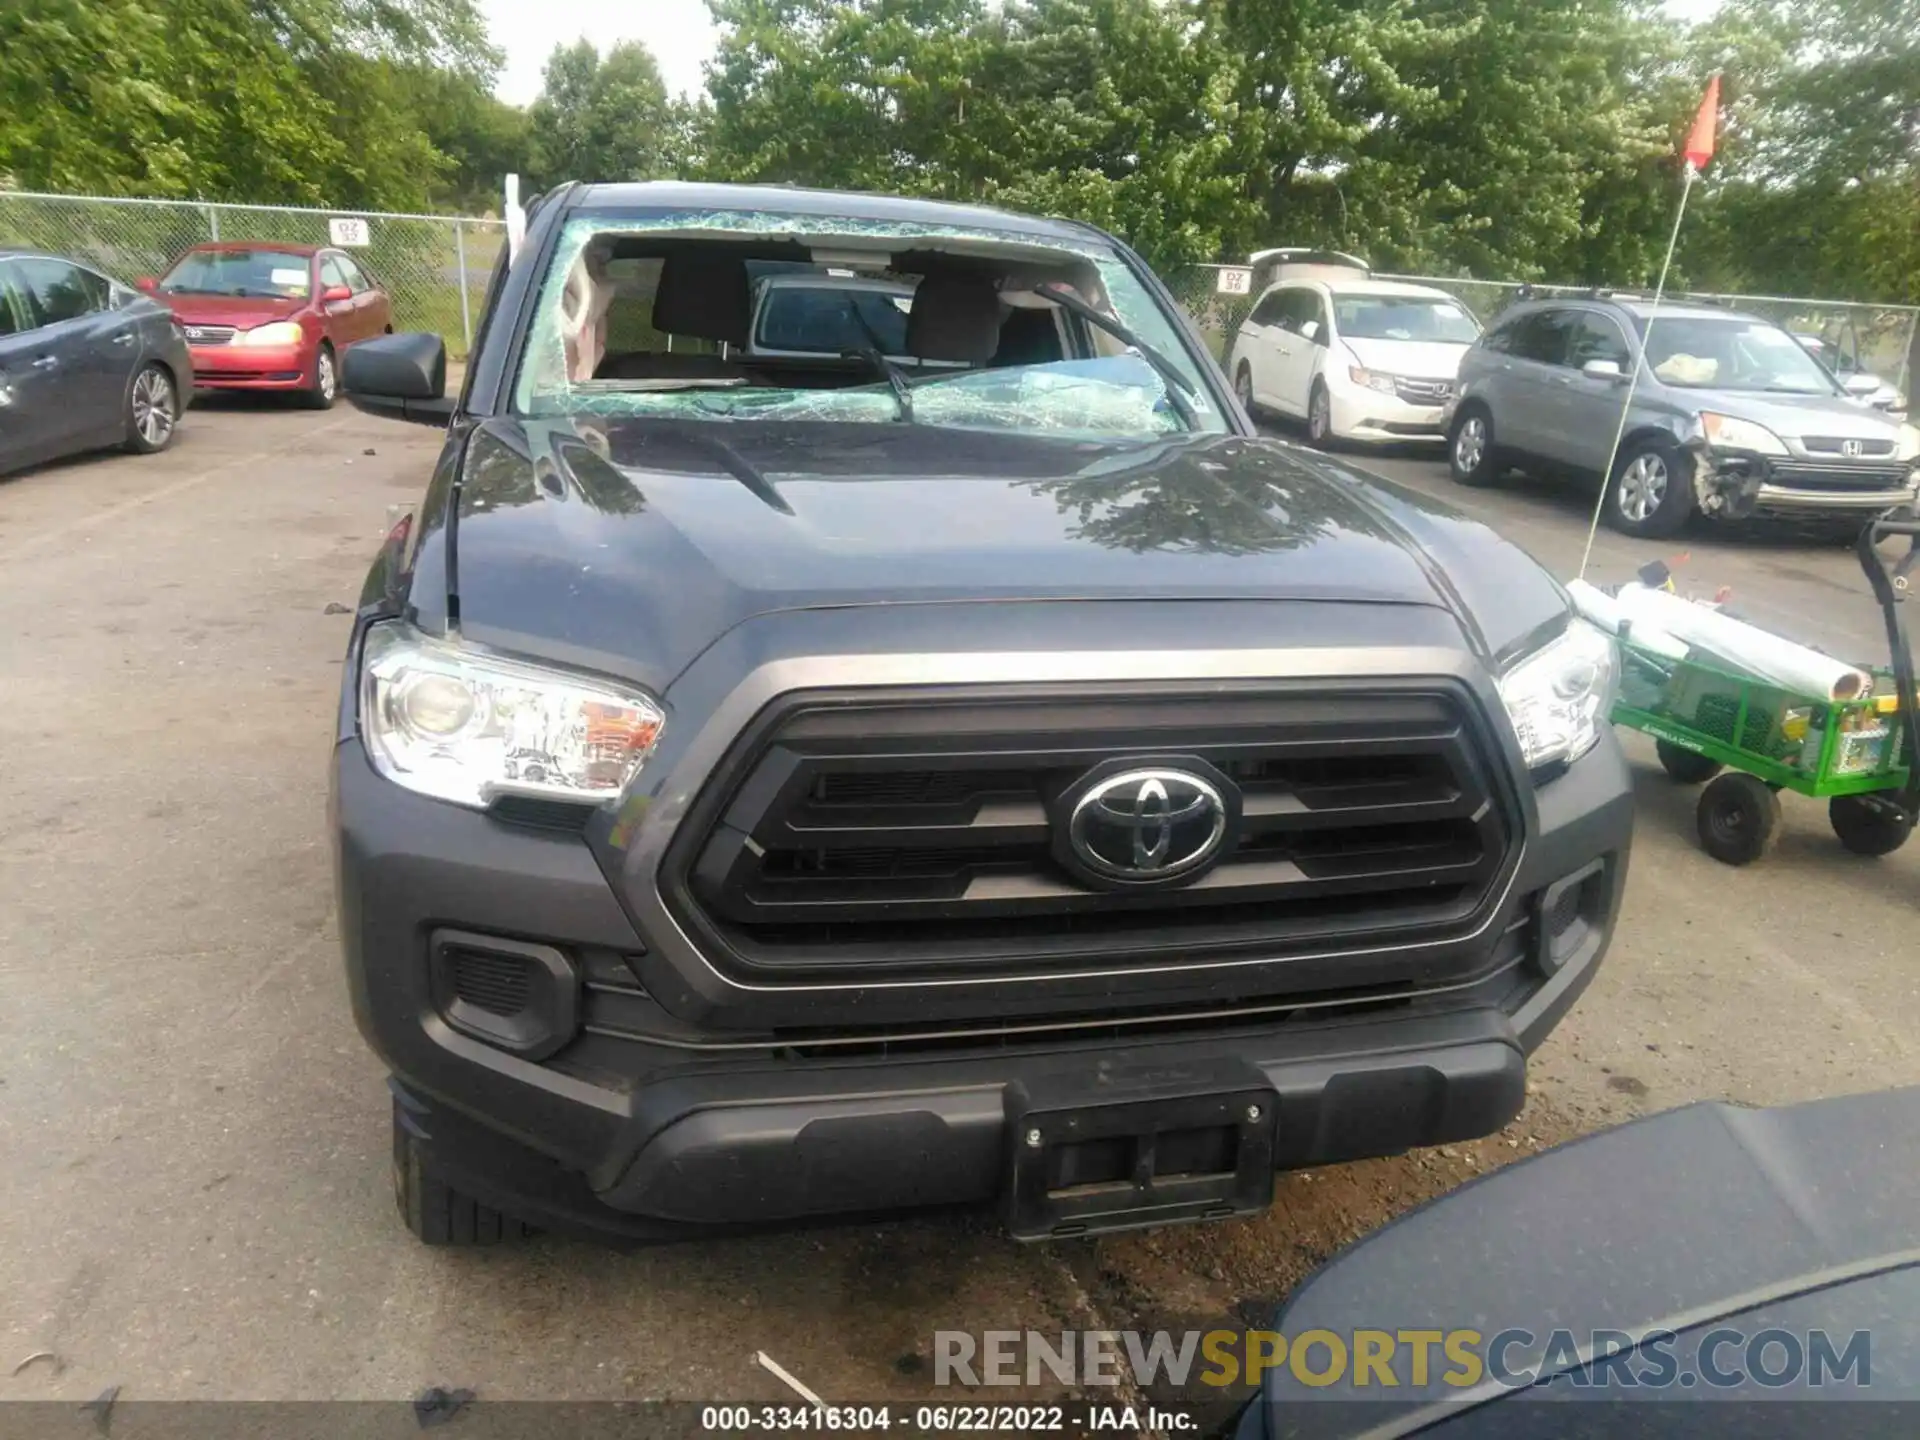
{"type": "Point", "coordinates": [1179, 387]}
{"type": "Point", "coordinates": [658, 384]}
{"type": "Point", "coordinates": [875, 355]}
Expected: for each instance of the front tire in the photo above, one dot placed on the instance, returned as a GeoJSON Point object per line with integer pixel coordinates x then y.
{"type": "Point", "coordinates": [434, 1211]}
{"type": "Point", "coordinates": [326, 380]}
{"type": "Point", "coordinates": [1869, 827]}
{"type": "Point", "coordinates": [1243, 390]}
{"type": "Point", "coordinates": [153, 411]}
{"type": "Point", "coordinates": [1320, 418]}
{"type": "Point", "coordinates": [1471, 456]}
{"type": "Point", "coordinates": [1650, 494]}
{"type": "Point", "coordinates": [1738, 818]}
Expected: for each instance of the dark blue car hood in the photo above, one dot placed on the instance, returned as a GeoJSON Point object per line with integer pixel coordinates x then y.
{"type": "Point", "coordinates": [646, 540]}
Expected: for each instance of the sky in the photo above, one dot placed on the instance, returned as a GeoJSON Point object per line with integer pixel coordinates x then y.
{"type": "Point", "coordinates": [679, 32]}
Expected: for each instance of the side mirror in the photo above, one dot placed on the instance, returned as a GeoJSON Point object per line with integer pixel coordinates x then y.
{"type": "Point", "coordinates": [1602, 370]}
{"type": "Point", "coordinates": [146, 283]}
{"type": "Point", "coordinates": [334, 294]}
{"type": "Point", "coordinates": [1310, 330]}
{"type": "Point", "coordinates": [1859, 382]}
{"type": "Point", "coordinates": [403, 377]}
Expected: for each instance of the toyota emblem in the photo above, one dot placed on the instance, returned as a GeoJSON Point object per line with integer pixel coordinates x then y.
{"type": "Point", "coordinates": [1149, 824]}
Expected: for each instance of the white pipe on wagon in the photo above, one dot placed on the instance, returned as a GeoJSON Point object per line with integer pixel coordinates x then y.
{"type": "Point", "coordinates": [1790, 666]}
{"type": "Point", "coordinates": [1603, 610]}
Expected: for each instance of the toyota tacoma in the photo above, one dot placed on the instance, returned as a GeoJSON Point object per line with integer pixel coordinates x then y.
{"type": "Point", "coordinates": [780, 787]}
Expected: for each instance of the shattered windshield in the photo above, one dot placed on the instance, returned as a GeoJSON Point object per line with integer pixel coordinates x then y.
{"type": "Point", "coordinates": [649, 313]}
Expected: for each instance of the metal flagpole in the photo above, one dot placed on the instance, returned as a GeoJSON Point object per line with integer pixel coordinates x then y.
{"type": "Point", "coordinates": [1633, 375]}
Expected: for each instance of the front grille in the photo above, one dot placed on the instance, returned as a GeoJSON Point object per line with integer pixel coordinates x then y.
{"type": "Point", "coordinates": [1841, 475]}
{"type": "Point", "coordinates": [1837, 445]}
{"type": "Point", "coordinates": [209, 334]}
{"type": "Point", "coordinates": [1424, 392]}
{"type": "Point", "coordinates": [916, 836]}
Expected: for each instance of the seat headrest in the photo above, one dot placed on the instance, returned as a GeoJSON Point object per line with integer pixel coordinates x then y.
{"type": "Point", "coordinates": [954, 317]}
{"type": "Point", "coordinates": [703, 295]}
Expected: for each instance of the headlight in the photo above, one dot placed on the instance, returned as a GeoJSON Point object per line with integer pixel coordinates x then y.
{"type": "Point", "coordinates": [1908, 446]}
{"type": "Point", "coordinates": [1731, 433]}
{"type": "Point", "coordinates": [1372, 379]}
{"type": "Point", "coordinates": [461, 724]}
{"type": "Point", "coordinates": [281, 332]}
{"type": "Point", "coordinates": [1560, 696]}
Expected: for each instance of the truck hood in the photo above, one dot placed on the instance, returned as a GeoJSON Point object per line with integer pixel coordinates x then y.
{"type": "Point", "coordinates": [633, 545]}
{"type": "Point", "coordinates": [1415, 359]}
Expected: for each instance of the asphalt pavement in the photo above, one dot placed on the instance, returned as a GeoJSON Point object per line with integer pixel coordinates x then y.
{"type": "Point", "coordinates": [195, 1171]}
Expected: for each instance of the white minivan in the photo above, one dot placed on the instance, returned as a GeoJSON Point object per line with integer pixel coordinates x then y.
{"type": "Point", "coordinates": [1358, 359]}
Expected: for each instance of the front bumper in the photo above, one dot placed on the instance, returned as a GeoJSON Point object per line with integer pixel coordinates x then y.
{"type": "Point", "coordinates": [624, 1138]}
{"type": "Point", "coordinates": [250, 367]}
{"type": "Point", "coordinates": [1747, 483]}
{"type": "Point", "coordinates": [1788, 497]}
{"type": "Point", "coordinates": [1370, 416]}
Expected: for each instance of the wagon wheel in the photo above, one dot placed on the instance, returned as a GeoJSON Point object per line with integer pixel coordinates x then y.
{"type": "Point", "coordinates": [1686, 766]}
{"type": "Point", "coordinates": [1739, 818]}
{"type": "Point", "coordinates": [1868, 824]}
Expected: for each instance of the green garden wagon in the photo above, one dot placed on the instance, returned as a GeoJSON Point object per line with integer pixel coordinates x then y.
{"type": "Point", "coordinates": [1749, 739]}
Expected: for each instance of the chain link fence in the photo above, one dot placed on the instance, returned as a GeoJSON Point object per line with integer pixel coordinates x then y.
{"type": "Point", "coordinates": [1883, 339]}
{"type": "Point", "coordinates": [435, 267]}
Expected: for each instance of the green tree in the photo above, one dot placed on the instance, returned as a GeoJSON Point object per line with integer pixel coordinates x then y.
{"type": "Point", "coordinates": [848, 93]}
{"type": "Point", "coordinates": [290, 101]}
{"type": "Point", "coordinates": [602, 118]}
{"type": "Point", "coordinates": [482, 138]}
{"type": "Point", "coordinates": [1816, 188]}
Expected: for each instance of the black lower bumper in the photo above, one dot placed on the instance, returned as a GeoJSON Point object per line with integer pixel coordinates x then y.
{"type": "Point", "coordinates": [864, 1147]}
{"type": "Point", "coordinates": [625, 1141]}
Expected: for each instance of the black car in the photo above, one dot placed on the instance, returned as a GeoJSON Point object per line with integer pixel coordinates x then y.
{"type": "Point", "coordinates": [1713, 1271]}
{"type": "Point", "coordinates": [776, 787]}
{"type": "Point", "coordinates": [85, 362]}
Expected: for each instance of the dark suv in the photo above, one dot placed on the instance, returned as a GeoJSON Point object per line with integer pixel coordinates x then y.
{"type": "Point", "coordinates": [781, 786]}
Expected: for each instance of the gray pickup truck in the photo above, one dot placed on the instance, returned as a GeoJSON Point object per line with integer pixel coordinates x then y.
{"type": "Point", "coordinates": [772, 788]}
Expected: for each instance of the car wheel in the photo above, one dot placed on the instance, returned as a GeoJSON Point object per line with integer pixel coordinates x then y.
{"type": "Point", "coordinates": [1243, 389]}
{"type": "Point", "coordinates": [1320, 418]}
{"type": "Point", "coordinates": [1738, 818]}
{"type": "Point", "coordinates": [153, 411]}
{"type": "Point", "coordinates": [1867, 825]}
{"type": "Point", "coordinates": [326, 380]}
{"type": "Point", "coordinates": [1650, 495]}
{"type": "Point", "coordinates": [1470, 454]}
{"type": "Point", "coordinates": [434, 1211]}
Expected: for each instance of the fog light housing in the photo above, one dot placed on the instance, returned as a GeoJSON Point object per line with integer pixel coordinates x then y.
{"type": "Point", "coordinates": [1567, 914]}
{"type": "Point", "coordinates": [521, 997]}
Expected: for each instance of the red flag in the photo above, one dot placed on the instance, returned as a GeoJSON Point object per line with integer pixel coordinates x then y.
{"type": "Point", "coordinates": [1700, 141]}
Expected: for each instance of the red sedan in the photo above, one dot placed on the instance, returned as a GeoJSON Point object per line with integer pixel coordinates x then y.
{"type": "Point", "coordinates": [260, 316]}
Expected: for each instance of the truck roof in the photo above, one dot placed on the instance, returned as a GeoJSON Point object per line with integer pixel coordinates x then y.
{"type": "Point", "coordinates": [846, 204]}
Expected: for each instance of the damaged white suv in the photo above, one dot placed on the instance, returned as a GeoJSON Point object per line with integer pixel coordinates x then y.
{"type": "Point", "coordinates": [1729, 417]}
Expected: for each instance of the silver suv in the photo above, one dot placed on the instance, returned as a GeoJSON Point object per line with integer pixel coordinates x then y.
{"type": "Point", "coordinates": [1730, 416]}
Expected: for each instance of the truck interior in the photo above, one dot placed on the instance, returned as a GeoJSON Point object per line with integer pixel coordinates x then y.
{"type": "Point", "coordinates": [661, 309]}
